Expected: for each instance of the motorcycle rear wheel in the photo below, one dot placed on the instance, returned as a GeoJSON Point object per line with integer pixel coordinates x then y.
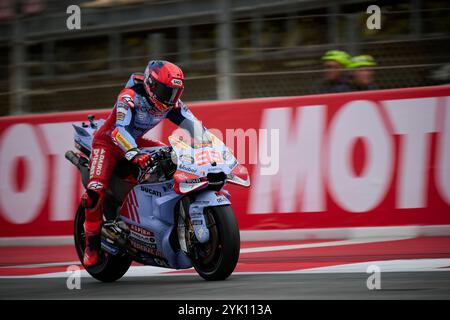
{"type": "Point", "coordinates": [218, 261]}
{"type": "Point", "coordinates": [110, 268]}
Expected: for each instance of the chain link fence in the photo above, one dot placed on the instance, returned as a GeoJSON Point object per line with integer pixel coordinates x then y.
{"type": "Point", "coordinates": [272, 55]}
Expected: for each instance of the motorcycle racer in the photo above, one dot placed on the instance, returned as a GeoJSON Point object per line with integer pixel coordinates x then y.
{"type": "Point", "coordinates": [145, 101]}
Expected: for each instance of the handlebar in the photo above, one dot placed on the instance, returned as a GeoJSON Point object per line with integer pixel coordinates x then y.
{"type": "Point", "coordinates": [161, 164]}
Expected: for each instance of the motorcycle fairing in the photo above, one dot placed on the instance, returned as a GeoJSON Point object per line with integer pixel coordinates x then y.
{"type": "Point", "coordinates": [196, 212]}
{"type": "Point", "coordinates": [83, 136]}
{"type": "Point", "coordinates": [196, 162]}
{"type": "Point", "coordinates": [151, 207]}
{"type": "Point", "coordinates": [110, 248]}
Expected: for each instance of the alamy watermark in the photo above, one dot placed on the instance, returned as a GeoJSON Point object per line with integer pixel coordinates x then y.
{"type": "Point", "coordinates": [373, 22]}
{"type": "Point", "coordinates": [73, 21]}
{"type": "Point", "coordinates": [250, 146]}
{"type": "Point", "coordinates": [374, 280]}
{"type": "Point", "coordinates": [74, 277]}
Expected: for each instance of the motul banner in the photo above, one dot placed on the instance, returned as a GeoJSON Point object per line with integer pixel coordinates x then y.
{"type": "Point", "coordinates": [379, 158]}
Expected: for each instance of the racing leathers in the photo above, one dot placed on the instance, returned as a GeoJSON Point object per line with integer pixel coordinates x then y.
{"type": "Point", "coordinates": [122, 136]}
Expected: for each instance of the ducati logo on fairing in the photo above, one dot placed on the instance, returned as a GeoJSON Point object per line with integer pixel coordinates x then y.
{"type": "Point", "coordinates": [151, 191]}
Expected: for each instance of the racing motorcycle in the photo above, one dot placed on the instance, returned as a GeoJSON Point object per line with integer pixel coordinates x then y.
{"type": "Point", "coordinates": [174, 214]}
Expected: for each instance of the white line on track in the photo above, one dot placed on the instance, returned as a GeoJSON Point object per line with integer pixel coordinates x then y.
{"type": "Point", "coordinates": [405, 265]}
{"type": "Point", "coordinates": [246, 250]}
{"type": "Point", "coordinates": [401, 265]}
{"type": "Point", "coordinates": [387, 266]}
{"type": "Point", "coordinates": [137, 271]}
{"type": "Point", "coordinates": [321, 244]}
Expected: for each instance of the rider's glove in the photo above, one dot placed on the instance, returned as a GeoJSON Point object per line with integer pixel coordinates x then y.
{"type": "Point", "coordinates": [143, 160]}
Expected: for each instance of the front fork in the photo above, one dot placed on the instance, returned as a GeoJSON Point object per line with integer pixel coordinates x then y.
{"type": "Point", "coordinates": [196, 210]}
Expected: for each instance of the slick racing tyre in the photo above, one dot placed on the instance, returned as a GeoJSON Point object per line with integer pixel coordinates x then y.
{"type": "Point", "coordinates": [217, 259]}
{"type": "Point", "coordinates": [110, 268]}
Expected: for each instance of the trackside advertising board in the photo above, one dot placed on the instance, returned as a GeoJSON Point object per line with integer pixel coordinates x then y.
{"type": "Point", "coordinates": [368, 159]}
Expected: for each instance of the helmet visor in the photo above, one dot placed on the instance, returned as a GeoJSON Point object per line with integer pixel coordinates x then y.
{"type": "Point", "coordinates": [166, 94]}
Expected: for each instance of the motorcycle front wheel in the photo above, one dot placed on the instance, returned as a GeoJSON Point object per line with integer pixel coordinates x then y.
{"type": "Point", "coordinates": [110, 268]}
{"type": "Point", "coordinates": [217, 259]}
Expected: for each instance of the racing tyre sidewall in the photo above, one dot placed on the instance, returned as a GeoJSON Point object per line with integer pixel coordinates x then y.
{"type": "Point", "coordinates": [228, 241]}
{"type": "Point", "coordinates": [110, 268]}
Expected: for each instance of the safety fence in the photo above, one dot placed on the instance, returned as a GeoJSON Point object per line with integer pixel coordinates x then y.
{"type": "Point", "coordinates": [270, 55]}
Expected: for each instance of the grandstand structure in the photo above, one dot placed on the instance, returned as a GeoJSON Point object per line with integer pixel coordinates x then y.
{"type": "Point", "coordinates": [229, 49]}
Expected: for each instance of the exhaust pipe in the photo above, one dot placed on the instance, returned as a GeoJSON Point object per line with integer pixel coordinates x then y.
{"type": "Point", "coordinates": [73, 157]}
{"type": "Point", "coordinates": [82, 165]}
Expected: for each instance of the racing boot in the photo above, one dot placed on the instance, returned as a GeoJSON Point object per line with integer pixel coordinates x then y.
{"type": "Point", "coordinates": [91, 250]}
{"type": "Point", "coordinates": [92, 226]}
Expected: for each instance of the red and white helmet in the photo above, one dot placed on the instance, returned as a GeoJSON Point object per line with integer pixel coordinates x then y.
{"type": "Point", "coordinates": [164, 83]}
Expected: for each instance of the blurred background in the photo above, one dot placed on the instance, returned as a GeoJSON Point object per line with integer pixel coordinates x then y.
{"type": "Point", "coordinates": [228, 49]}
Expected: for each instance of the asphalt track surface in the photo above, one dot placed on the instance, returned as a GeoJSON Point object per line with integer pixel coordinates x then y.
{"type": "Point", "coordinates": [394, 285]}
{"type": "Point", "coordinates": [411, 268]}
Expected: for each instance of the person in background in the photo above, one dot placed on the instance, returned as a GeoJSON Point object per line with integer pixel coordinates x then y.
{"type": "Point", "coordinates": [362, 73]}
{"type": "Point", "coordinates": [335, 78]}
